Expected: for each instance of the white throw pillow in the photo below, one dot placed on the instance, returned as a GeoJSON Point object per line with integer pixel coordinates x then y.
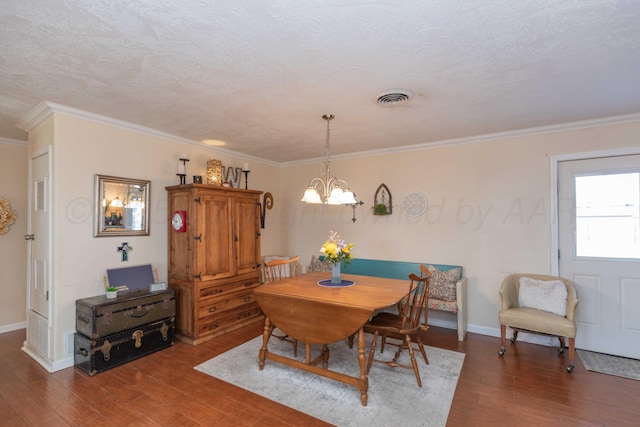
{"type": "Point", "coordinates": [547, 295]}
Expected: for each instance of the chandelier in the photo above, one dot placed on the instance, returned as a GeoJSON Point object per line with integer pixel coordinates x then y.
{"type": "Point", "coordinates": [328, 189]}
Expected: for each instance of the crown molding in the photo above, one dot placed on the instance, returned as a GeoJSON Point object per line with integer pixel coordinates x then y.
{"type": "Point", "coordinates": [44, 109]}
{"type": "Point", "coordinates": [13, 142]}
{"type": "Point", "coordinates": [35, 116]}
{"type": "Point", "coordinates": [562, 127]}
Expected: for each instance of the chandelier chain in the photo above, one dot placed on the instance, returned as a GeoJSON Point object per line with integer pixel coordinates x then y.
{"type": "Point", "coordinates": [327, 150]}
{"type": "Point", "coordinates": [328, 189]}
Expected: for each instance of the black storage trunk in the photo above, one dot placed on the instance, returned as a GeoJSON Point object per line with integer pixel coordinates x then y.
{"type": "Point", "coordinates": [98, 316]}
{"type": "Point", "coordinates": [97, 355]}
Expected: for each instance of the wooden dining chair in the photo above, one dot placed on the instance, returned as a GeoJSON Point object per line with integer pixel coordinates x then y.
{"type": "Point", "coordinates": [424, 326]}
{"type": "Point", "coordinates": [279, 269]}
{"type": "Point", "coordinates": [405, 325]}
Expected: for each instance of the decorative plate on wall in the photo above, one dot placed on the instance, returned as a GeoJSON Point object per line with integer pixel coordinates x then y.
{"type": "Point", "coordinates": [415, 204]}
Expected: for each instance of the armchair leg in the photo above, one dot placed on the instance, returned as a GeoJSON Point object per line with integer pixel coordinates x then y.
{"type": "Point", "coordinates": [561, 349]}
{"type": "Point", "coordinates": [503, 340]}
{"type": "Point", "coordinates": [572, 354]}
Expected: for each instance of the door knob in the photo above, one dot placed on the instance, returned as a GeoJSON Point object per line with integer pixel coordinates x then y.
{"type": "Point", "coordinates": [29, 237]}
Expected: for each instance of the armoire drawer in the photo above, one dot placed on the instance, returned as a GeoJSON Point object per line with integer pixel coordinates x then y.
{"type": "Point", "coordinates": [226, 318]}
{"type": "Point", "coordinates": [235, 300]}
{"type": "Point", "coordinates": [221, 290]}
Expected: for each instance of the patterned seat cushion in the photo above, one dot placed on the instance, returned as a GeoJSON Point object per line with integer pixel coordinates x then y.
{"type": "Point", "coordinates": [443, 283]}
{"type": "Point", "coordinates": [436, 304]}
{"type": "Point", "coordinates": [318, 265]}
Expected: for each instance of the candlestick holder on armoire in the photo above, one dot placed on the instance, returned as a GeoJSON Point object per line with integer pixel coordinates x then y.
{"type": "Point", "coordinates": [182, 170]}
{"type": "Point", "coordinates": [245, 170]}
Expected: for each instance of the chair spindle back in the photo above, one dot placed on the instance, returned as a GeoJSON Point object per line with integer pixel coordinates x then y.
{"type": "Point", "coordinates": [416, 301]}
{"type": "Point", "coordinates": [279, 269]}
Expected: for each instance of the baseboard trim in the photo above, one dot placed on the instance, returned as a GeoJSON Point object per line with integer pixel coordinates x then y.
{"type": "Point", "coordinates": [495, 332]}
{"type": "Point", "coordinates": [50, 365]}
{"type": "Point", "coordinates": [13, 327]}
{"type": "Point", "coordinates": [46, 364]}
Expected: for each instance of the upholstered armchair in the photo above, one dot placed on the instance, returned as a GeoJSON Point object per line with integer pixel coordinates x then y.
{"type": "Point", "coordinates": [540, 304]}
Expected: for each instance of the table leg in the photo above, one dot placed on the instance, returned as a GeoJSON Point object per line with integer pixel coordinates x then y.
{"type": "Point", "coordinates": [351, 340]}
{"type": "Point", "coordinates": [266, 334]}
{"type": "Point", "coordinates": [363, 381]}
{"type": "Point", "coordinates": [325, 356]}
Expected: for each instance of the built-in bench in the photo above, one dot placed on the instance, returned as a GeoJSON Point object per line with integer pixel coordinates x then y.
{"type": "Point", "coordinates": [401, 270]}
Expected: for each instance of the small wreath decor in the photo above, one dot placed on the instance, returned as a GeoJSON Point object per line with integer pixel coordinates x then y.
{"type": "Point", "coordinates": [7, 215]}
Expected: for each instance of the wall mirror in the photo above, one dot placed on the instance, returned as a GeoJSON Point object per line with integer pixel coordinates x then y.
{"type": "Point", "coordinates": [122, 206]}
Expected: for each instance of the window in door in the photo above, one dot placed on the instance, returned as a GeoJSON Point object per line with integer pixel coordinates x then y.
{"type": "Point", "coordinates": [608, 215]}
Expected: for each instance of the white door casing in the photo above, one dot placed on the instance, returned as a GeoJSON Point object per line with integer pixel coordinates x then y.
{"type": "Point", "coordinates": [39, 234]}
{"type": "Point", "coordinates": [608, 287]}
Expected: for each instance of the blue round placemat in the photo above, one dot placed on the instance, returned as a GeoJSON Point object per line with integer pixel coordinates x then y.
{"type": "Point", "coordinates": [343, 284]}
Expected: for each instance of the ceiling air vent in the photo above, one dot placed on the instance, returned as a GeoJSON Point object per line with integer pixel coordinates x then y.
{"type": "Point", "coordinates": [394, 97]}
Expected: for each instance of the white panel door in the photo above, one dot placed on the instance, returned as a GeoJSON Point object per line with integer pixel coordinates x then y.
{"type": "Point", "coordinates": [40, 213]}
{"type": "Point", "coordinates": [599, 250]}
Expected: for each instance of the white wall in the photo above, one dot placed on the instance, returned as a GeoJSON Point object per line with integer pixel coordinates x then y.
{"type": "Point", "coordinates": [82, 148]}
{"type": "Point", "coordinates": [13, 247]}
{"type": "Point", "coordinates": [489, 207]}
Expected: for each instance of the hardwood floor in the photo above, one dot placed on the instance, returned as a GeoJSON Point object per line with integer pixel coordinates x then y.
{"type": "Point", "coordinates": [528, 387]}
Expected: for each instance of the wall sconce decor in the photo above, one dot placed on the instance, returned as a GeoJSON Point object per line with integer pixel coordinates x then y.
{"type": "Point", "coordinates": [267, 203]}
{"type": "Point", "coordinates": [7, 215]}
{"type": "Point", "coordinates": [382, 201]}
{"type": "Point", "coordinates": [214, 172]}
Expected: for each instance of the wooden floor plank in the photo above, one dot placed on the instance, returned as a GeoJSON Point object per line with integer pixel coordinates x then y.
{"type": "Point", "coordinates": [528, 386]}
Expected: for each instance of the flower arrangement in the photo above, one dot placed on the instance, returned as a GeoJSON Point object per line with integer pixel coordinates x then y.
{"type": "Point", "coordinates": [337, 249]}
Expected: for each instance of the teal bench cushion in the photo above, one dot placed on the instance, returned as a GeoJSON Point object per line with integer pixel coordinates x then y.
{"type": "Point", "coordinates": [389, 269]}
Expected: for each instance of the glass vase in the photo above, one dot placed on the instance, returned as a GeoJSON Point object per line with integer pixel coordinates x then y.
{"type": "Point", "coordinates": [335, 273]}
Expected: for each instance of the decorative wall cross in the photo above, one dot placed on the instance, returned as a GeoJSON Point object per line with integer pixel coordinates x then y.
{"type": "Point", "coordinates": [124, 249]}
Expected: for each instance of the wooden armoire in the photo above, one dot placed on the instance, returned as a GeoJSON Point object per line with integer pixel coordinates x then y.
{"type": "Point", "coordinates": [214, 258]}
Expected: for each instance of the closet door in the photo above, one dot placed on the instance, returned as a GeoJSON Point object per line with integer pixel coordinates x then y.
{"type": "Point", "coordinates": [39, 238]}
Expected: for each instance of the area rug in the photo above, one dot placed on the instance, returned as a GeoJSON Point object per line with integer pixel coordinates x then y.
{"type": "Point", "coordinates": [393, 392]}
{"type": "Point", "coordinates": [611, 365]}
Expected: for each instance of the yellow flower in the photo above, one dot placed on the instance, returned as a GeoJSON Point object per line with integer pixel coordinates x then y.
{"type": "Point", "coordinates": [336, 249]}
{"type": "Point", "coordinates": [331, 248]}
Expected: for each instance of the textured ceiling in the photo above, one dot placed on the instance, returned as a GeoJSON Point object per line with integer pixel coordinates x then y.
{"type": "Point", "coordinates": [259, 74]}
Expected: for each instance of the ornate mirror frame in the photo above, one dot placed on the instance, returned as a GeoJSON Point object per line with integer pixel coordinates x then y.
{"type": "Point", "coordinates": [121, 206]}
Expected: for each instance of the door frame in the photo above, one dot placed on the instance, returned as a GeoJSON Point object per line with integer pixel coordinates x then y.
{"type": "Point", "coordinates": [555, 160]}
{"type": "Point", "coordinates": [44, 360]}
